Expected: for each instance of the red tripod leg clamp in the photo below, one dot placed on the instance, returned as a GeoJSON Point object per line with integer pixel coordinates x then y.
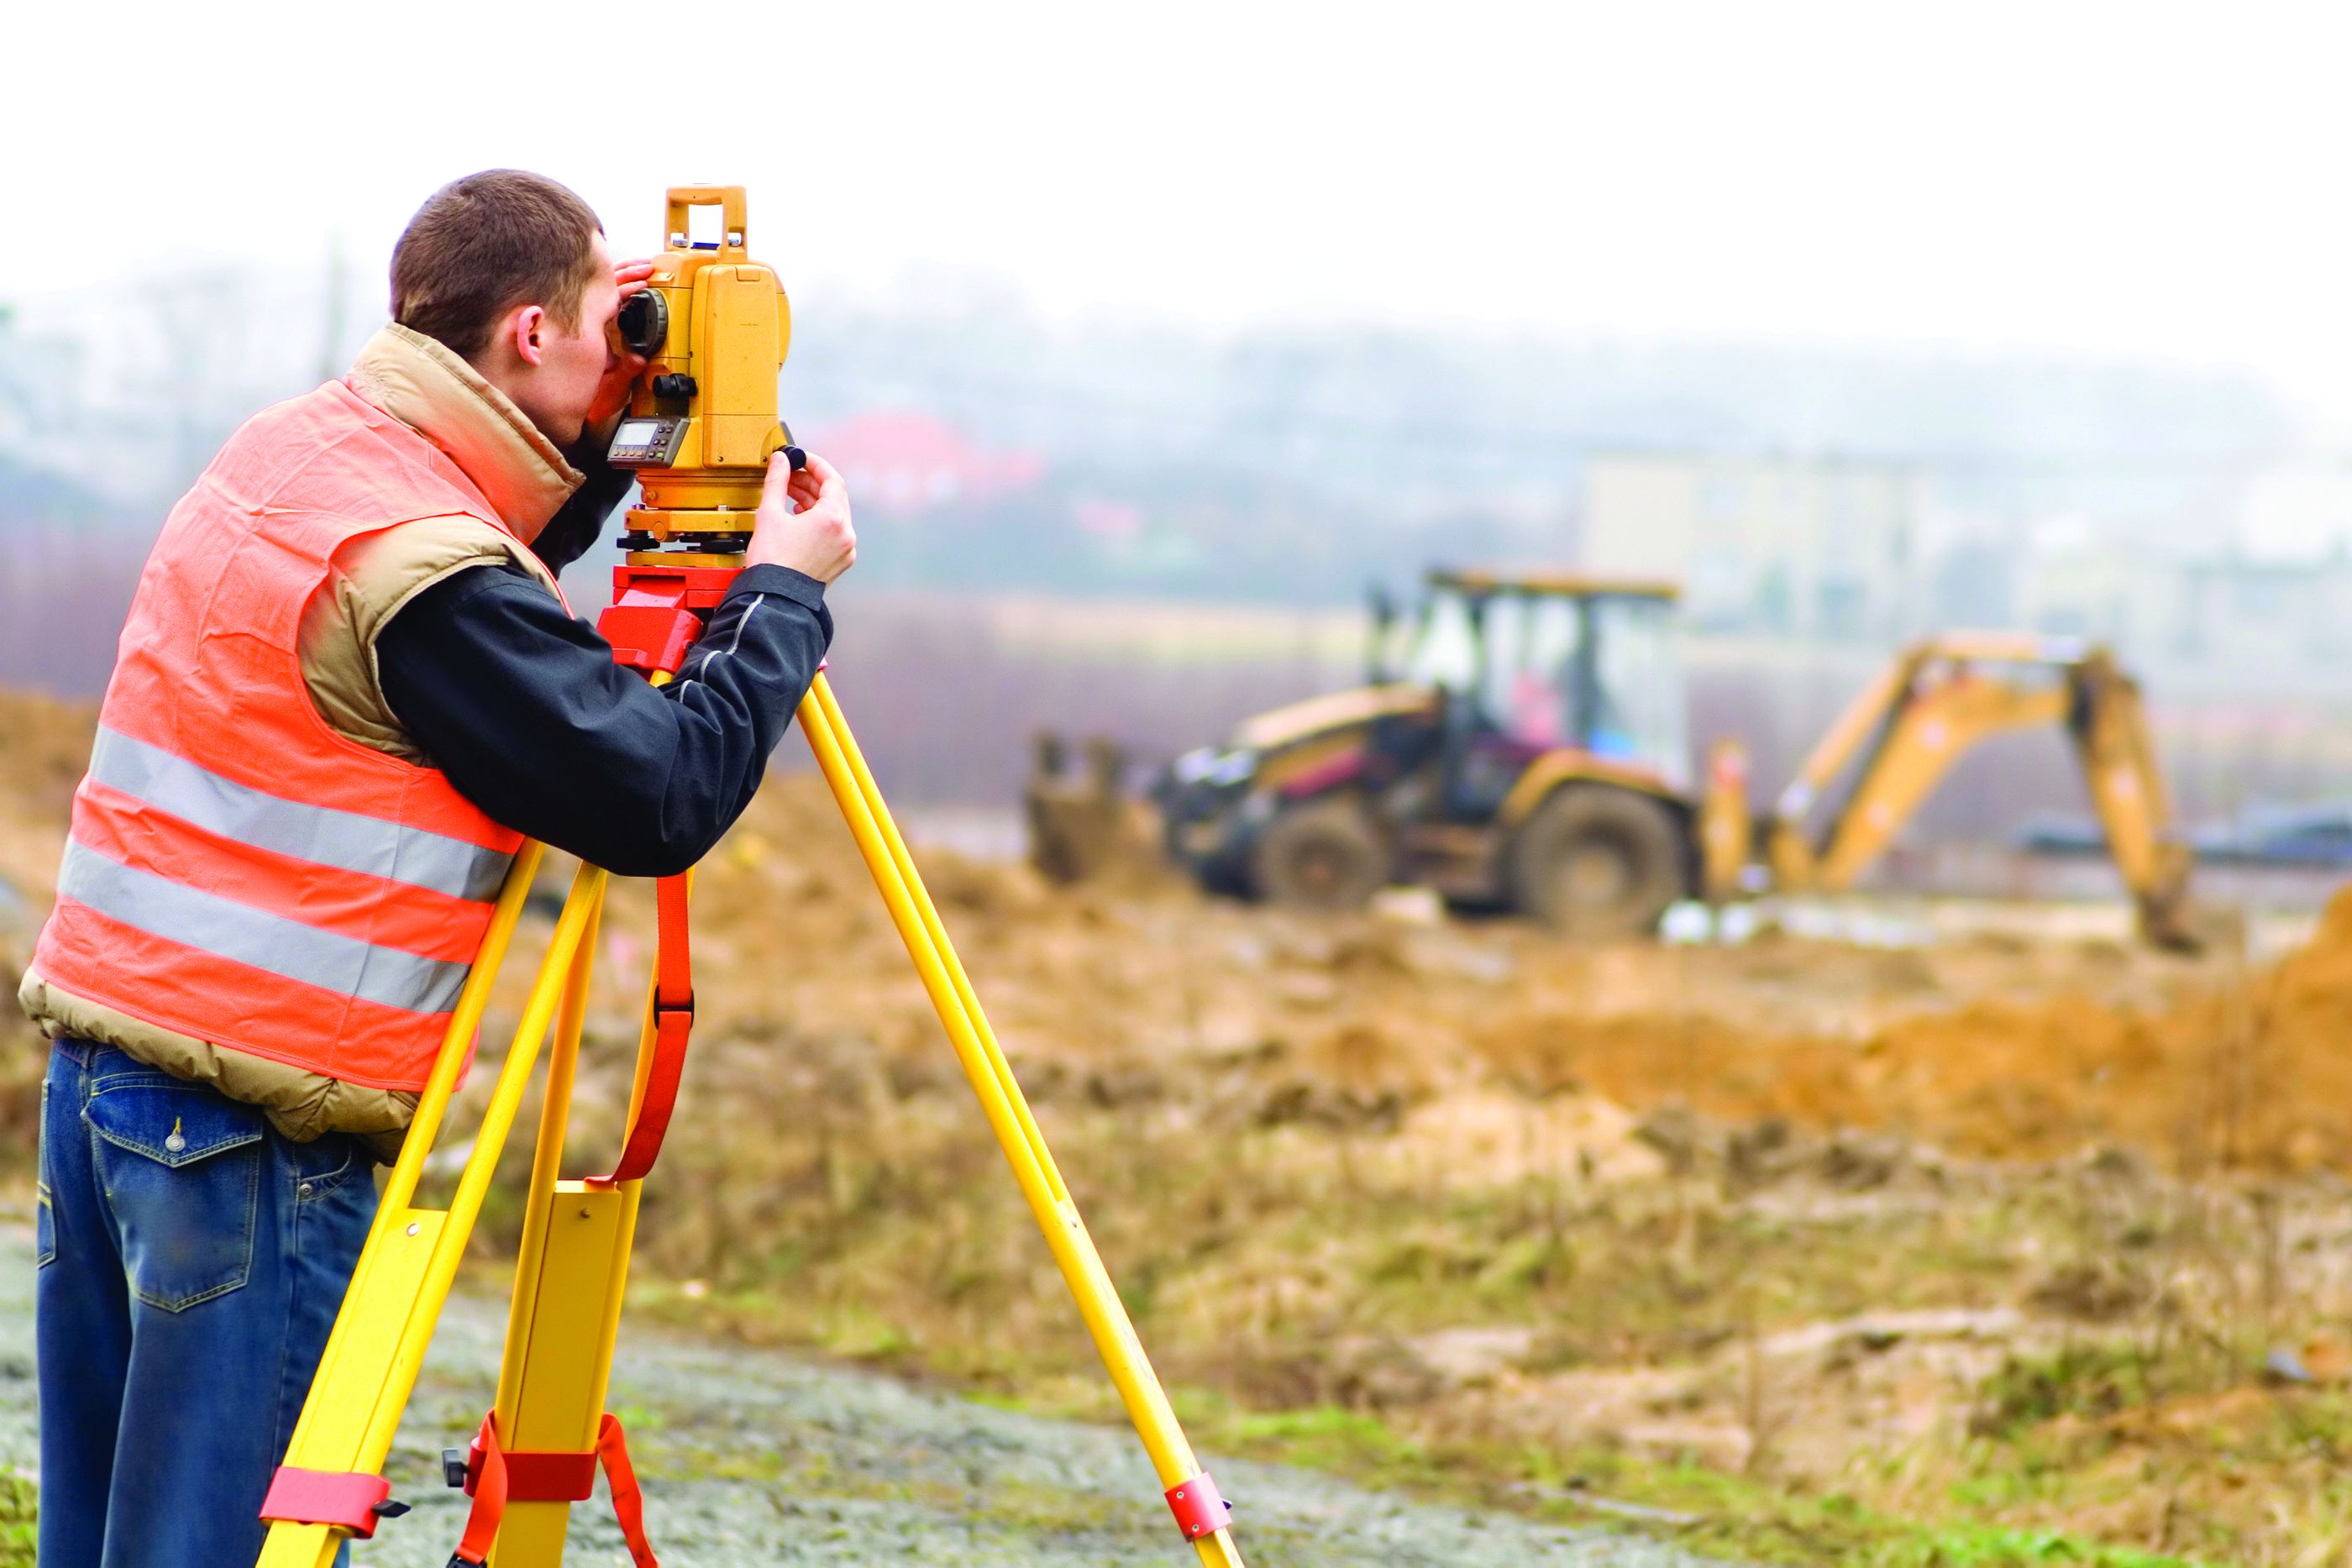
{"type": "Point", "coordinates": [346, 1499]}
{"type": "Point", "coordinates": [1199, 1509]}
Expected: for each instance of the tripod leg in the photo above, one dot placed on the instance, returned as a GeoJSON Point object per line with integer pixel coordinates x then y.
{"type": "Point", "coordinates": [917, 922]}
{"type": "Point", "coordinates": [568, 1281]}
{"type": "Point", "coordinates": [412, 1255]}
{"type": "Point", "coordinates": [579, 1269]}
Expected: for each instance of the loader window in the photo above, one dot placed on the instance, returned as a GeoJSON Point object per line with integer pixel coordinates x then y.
{"type": "Point", "coordinates": [1447, 653]}
{"type": "Point", "coordinates": [1635, 709]}
{"type": "Point", "coordinates": [1531, 643]}
{"type": "Point", "coordinates": [1499, 679]}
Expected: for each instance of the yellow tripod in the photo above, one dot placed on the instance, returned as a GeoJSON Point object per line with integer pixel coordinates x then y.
{"type": "Point", "coordinates": [548, 1428]}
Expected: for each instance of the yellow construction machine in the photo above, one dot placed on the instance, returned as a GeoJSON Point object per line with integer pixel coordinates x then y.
{"type": "Point", "coordinates": [1937, 699]}
{"type": "Point", "coordinates": [1528, 752]}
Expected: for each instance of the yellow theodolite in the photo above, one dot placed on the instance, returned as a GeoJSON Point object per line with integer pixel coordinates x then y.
{"type": "Point", "coordinates": [715, 327]}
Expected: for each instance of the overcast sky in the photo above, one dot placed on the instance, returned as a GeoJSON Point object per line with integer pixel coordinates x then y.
{"type": "Point", "coordinates": [2145, 182]}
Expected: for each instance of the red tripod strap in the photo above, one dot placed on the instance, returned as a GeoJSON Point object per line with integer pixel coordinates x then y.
{"type": "Point", "coordinates": [485, 1478]}
{"type": "Point", "coordinates": [628, 1502]}
{"type": "Point", "coordinates": [550, 1478]}
{"type": "Point", "coordinates": [673, 1019]}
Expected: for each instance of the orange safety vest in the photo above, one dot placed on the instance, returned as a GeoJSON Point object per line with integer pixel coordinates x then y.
{"type": "Point", "coordinates": [236, 871]}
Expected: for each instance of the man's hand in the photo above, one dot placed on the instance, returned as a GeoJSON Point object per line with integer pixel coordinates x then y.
{"type": "Point", "coordinates": [622, 368]}
{"type": "Point", "coordinates": [803, 520]}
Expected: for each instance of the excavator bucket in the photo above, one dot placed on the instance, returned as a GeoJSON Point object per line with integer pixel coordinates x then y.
{"type": "Point", "coordinates": [2109, 723]}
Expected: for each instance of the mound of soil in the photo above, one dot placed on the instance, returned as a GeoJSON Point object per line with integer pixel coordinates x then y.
{"type": "Point", "coordinates": [1141, 989]}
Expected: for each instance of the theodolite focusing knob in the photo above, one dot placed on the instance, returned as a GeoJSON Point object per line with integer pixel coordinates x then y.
{"type": "Point", "coordinates": [673, 385]}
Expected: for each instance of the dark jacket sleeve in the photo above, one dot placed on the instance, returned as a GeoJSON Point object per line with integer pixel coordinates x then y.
{"type": "Point", "coordinates": [569, 533]}
{"type": "Point", "coordinates": [521, 705]}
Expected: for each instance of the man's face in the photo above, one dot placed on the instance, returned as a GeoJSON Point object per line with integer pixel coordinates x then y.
{"type": "Point", "coordinates": [557, 391]}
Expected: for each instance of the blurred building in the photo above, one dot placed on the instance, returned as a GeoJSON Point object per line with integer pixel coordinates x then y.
{"type": "Point", "coordinates": [2257, 616]}
{"type": "Point", "coordinates": [1781, 547]}
{"type": "Point", "coordinates": [2073, 582]}
{"type": "Point", "coordinates": [2228, 623]}
{"type": "Point", "coordinates": [908, 463]}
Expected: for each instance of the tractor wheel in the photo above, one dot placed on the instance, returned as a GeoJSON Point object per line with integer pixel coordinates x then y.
{"type": "Point", "coordinates": [1596, 862]}
{"type": "Point", "coordinates": [1322, 855]}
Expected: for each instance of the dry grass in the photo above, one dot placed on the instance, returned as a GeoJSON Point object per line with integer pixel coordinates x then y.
{"type": "Point", "coordinates": [1859, 1257]}
{"type": "Point", "coordinates": [1855, 1257]}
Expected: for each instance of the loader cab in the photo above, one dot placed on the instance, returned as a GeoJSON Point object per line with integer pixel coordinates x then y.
{"type": "Point", "coordinates": [1520, 744]}
{"type": "Point", "coordinates": [1534, 664]}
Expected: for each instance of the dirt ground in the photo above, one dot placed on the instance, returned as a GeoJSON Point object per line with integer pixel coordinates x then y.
{"type": "Point", "coordinates": [1990, 1251]}
{"type": "Point", "coordinates": [753, 1459]}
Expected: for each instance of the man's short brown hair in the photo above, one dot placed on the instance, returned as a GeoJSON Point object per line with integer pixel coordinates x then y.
{"type": "Point", "coordinates": [483, 245]}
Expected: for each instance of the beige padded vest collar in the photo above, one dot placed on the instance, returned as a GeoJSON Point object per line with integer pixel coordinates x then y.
{"type": "Point", "coordinates": [438, 396]}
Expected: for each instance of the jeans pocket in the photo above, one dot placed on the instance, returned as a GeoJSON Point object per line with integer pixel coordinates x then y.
{"type": "Point", "coordinates": [324, 1163]}
{"type": "Point", "coordinates": [182, 1167]}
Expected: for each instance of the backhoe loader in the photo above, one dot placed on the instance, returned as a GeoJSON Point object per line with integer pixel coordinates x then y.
{"type": "Point", "coordinates": [1528, 753]}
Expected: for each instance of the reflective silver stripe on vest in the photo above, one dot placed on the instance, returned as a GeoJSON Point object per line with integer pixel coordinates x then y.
{"type": "Point", "coordinates": [286, 948]}
{"type": "Point", "coordinates": [344, 840]}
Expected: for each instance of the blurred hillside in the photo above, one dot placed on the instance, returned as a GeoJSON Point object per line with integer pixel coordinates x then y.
{"type": "Point", "coordinates": [69, 558]}
{"type": "Point", "coordinates": [1149, 534]}
{"type": "Point", "coordinates": [1275, 465]}
{"type": "Point", "coordinates": [1291, 467]}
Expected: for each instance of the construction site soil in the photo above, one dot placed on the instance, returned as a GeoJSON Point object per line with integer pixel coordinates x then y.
{"type": "Point", "coordinates": [1990, 1251]}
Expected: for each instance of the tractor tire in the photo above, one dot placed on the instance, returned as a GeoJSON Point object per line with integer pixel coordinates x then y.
{"type": "Point", "coordinates": [1323, 855]}
{"type": "Point", "coordinates": [1598, 862]}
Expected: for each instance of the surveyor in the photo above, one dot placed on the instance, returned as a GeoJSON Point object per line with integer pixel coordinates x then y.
{"type": "Point", "coordinates": [348, 689]}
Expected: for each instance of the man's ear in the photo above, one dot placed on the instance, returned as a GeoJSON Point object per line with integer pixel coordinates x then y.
{"type": "Point", "coordinates": [523, 330]}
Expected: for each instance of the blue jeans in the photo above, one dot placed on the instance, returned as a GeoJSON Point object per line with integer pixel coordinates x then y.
{"type": "Point", "coordinates": [191, 1261]}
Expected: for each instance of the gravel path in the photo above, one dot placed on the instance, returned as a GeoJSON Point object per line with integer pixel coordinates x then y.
{"type": "Point", "coordinates": [754, 1457]}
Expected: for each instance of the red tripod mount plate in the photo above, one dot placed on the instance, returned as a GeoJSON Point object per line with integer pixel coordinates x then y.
{"type": "Point", "coordinates": [657, 610]}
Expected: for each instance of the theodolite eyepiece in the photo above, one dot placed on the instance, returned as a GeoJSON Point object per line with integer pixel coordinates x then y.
{"type": "Point", "coordinates": [644, 322]}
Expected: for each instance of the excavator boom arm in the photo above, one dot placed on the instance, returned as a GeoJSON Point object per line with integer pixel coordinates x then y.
{"type": "Point", "coordinates": [1791, 855]}
{"type": "Point", "coordinates": [1933, 703]}
{"type": "Point", "coordinates": [1928, 733]}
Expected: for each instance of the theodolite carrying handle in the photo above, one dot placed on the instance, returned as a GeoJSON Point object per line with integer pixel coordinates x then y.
{"type": "Point", "coordinates": [733, 208]}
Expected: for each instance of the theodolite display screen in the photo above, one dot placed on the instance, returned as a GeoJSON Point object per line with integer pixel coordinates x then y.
{"type": "Point", "coordinates": [646, 443]}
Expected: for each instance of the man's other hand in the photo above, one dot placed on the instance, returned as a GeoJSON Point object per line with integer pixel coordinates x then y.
{"type": "Point", "coordinates": [803, 520]}
{"type": "Point", "coordinates": [622, 368]}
